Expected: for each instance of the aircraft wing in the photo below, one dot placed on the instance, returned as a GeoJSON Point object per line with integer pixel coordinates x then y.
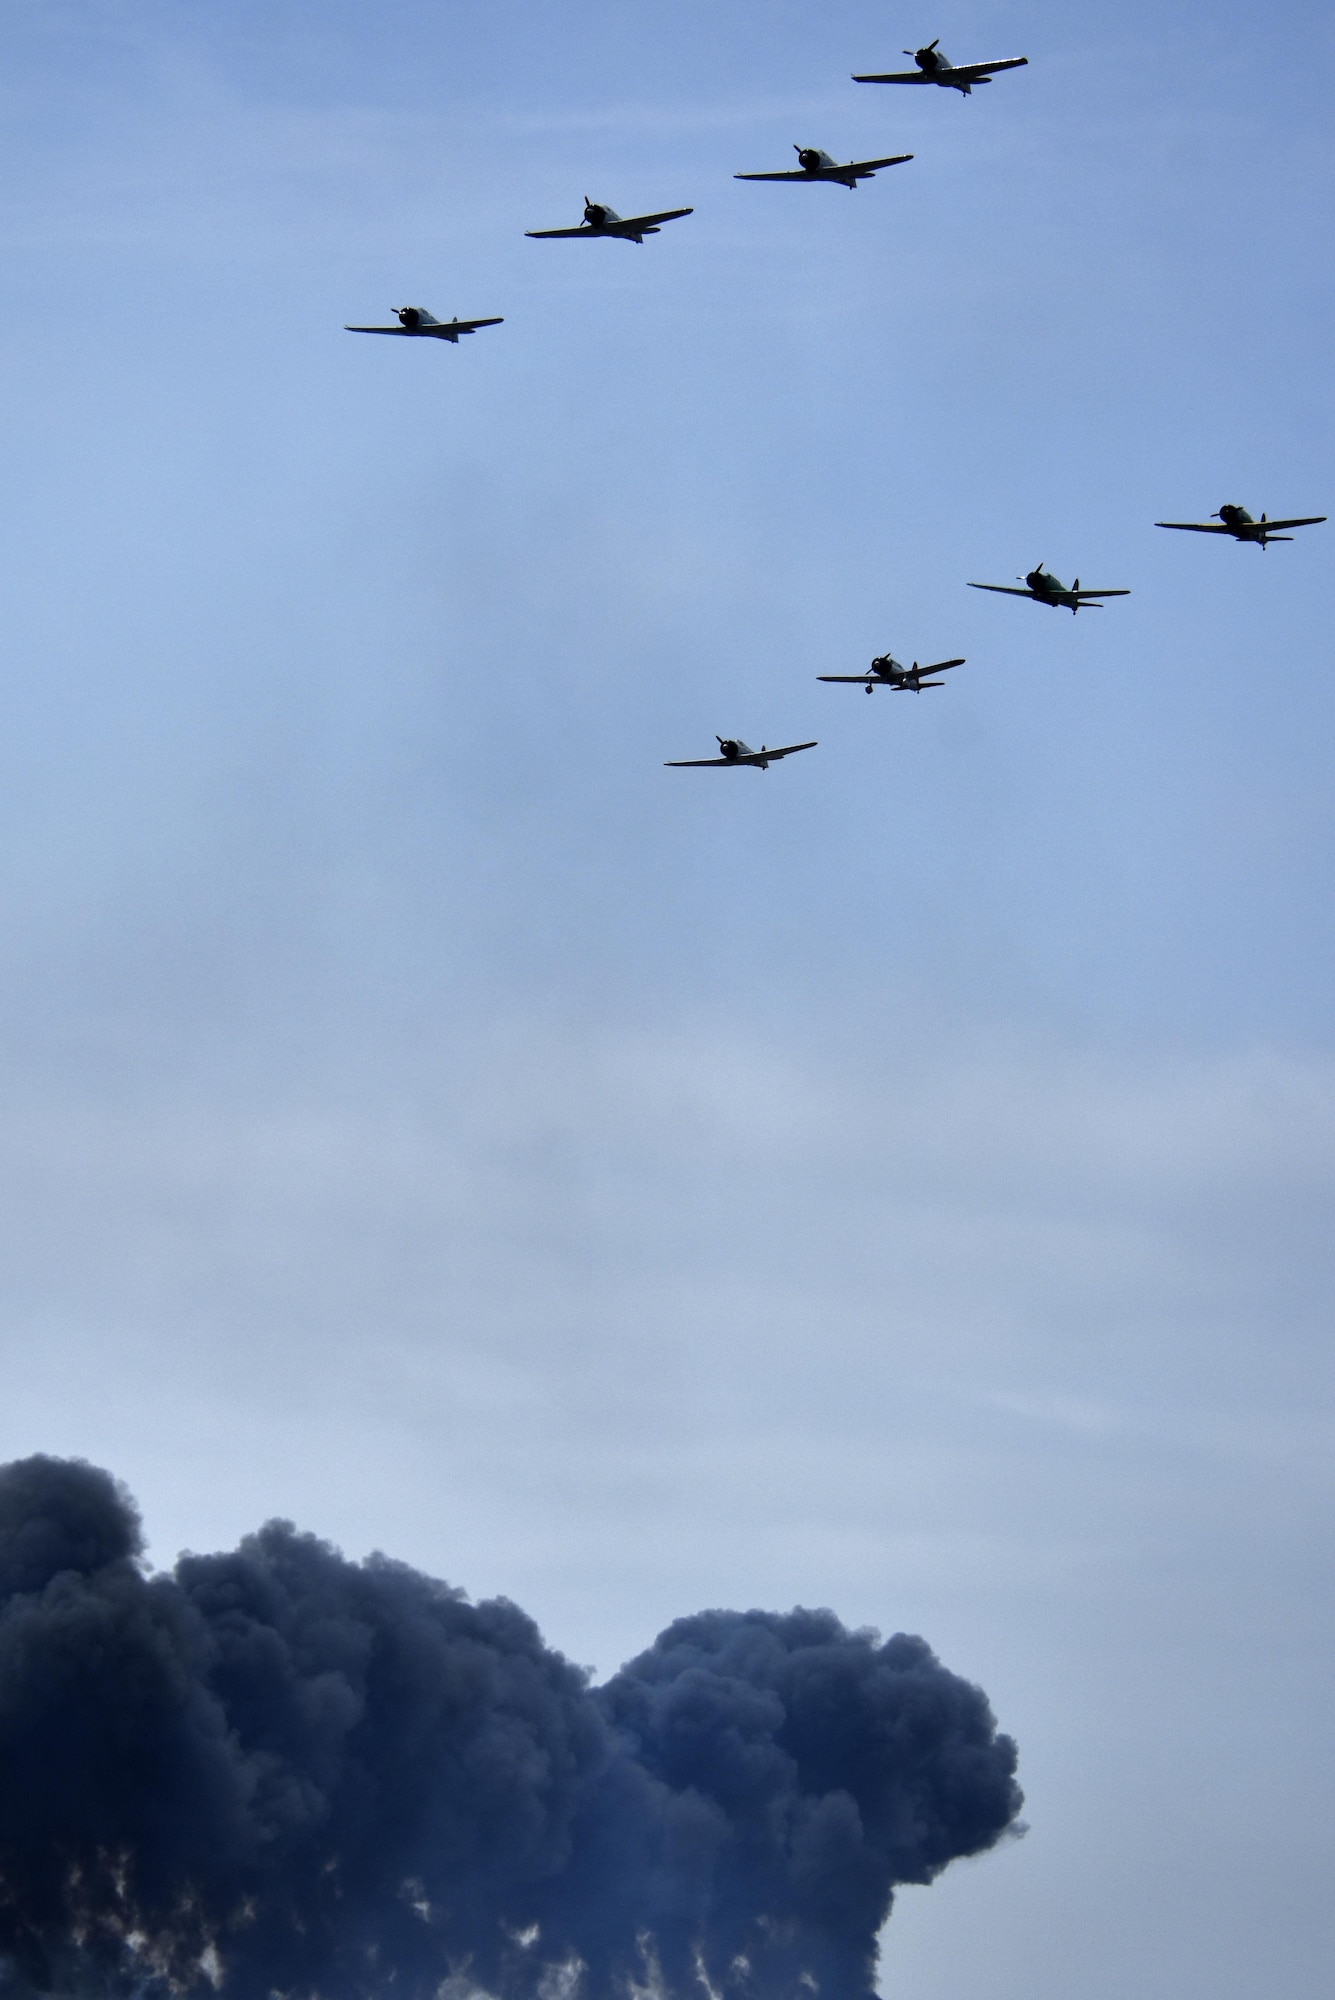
{"type": "Point", "coordinates": [1197, 527]}
{"type": "Point", "coordinates": [583, 230]}
{"type": "Point", "coordinates": [447, 331]}
{"type": "Point", "coordinates": [827, 173]}
{"type": "Point", "coordinates": [957, 73]}
{"type": "Point", "coordinates": [699, 763]}
{"type": "Point", "coordinates": [652, 221]}
{"type": "Point", "coordinates": [940, 667]}
{"type": "Point", "coordinates": [769, 756]}
{"type": "Point", "coordinates": [1004, 589]}
{"type": "Point", "coordinates": [1082, 594]}
{"type": "Point", "coordinates": [850, 680]}
{"type": "Point", "coordinates": [980, 72]}
{"type": "Point", "coordinates": [1307, 521]}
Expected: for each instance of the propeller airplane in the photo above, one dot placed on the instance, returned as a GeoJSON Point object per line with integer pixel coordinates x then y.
{"type": "Point", "coordinates": [1046, 589]}
{"type": "Point", "coordinates": [418, 321]}
{"type": "Point", "coordinates": [1236, 521]}
{"type": "Point", "coordinates": [600, 220]}
{"type": "Point", "coordinates": [890, 673]}
{"type": "Point", "coordinates": [816, 165]}
{"type": "Point", "coordinates": [737, 752]}
{"type": "Point", "coordinates": [933, 67]}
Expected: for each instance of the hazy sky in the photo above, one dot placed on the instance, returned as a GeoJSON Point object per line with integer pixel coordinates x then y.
{"type": "Point", "coordinates": [900, 1180]}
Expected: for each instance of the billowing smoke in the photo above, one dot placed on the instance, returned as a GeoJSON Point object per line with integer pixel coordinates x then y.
{"type": "Point", "coordinates": [276, 1772]}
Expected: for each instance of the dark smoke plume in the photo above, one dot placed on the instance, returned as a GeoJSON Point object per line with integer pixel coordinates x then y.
{"type": "Point", "coordinates": [277, 1772]}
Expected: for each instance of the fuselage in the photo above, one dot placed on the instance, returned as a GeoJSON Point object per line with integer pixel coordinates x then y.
{"type": "Point", "coordinates": [936, 66]}
{"type": "Point", "coordinates": [814, 160]}
{"type": "Point", "coordinates": [1241, 525]}
{"type": "Point", "coordinates": [1049, 589]}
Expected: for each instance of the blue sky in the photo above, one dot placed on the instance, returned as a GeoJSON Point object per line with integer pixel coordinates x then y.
{"type": "Point", "coordinates": [900, 1180]}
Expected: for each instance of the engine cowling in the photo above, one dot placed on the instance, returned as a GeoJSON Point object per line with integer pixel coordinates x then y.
{"type": "Point", "coordinates": [731, 749]}
{"type": "Point", "coordinates": [409, 316]}
{"type": "Point", "coordinates": [808, 157]}
{"type": "Point", "coordinates": [595, 213]}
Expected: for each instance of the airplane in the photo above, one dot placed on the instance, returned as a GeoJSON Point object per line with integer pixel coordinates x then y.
{"type": "Point", "coordinates": [933, 67]}
{"type": "Point", "coordinates": [417, 320]}
{"type": "Point", "coordinates": [890, 673]}
{"type": "Point", "coordinates": [815, 165]}
{"type": "Point", "coordinates": [1045, 589]}
{"type": "Point", "coordinates": [1236, 521]}
{"type": "Point", "coordinates": [737, 752]}
{"type": "Point", "coordinates": [600, 220]}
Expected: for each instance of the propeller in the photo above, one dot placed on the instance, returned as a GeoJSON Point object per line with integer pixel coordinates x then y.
{"type": "Point", "coordinates": [929, 50]}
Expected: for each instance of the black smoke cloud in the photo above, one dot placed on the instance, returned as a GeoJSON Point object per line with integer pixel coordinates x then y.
{"type": "Point", "coordinates": [276, 1772]}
